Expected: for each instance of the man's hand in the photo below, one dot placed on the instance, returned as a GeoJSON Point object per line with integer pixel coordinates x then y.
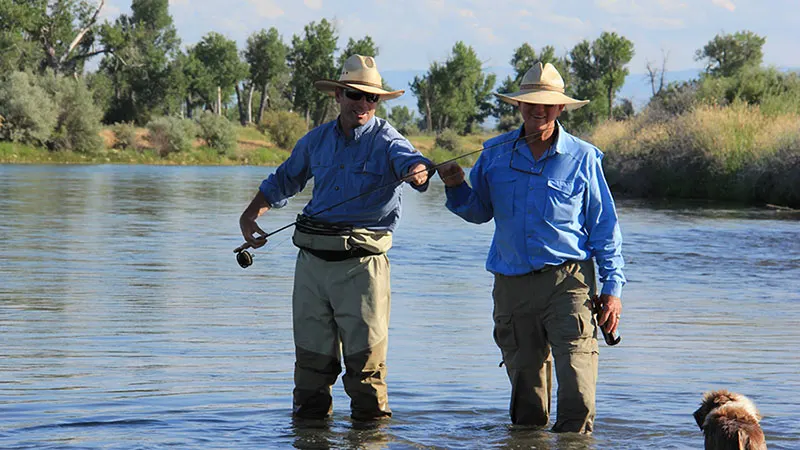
{"type": "Point", "coordinates": [247, 221]}
{"type": "Point", "coordinates": [451, 173]}
{"type": "Point", "coordinates": [417, 175]}
{"type": "Point", "coordinates": [612, 312]}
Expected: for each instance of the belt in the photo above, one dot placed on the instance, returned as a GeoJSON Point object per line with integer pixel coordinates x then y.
{"type": "Point", "coordinates": [340, 255]}
{"type": "Point", "coordinates": [548, 267]}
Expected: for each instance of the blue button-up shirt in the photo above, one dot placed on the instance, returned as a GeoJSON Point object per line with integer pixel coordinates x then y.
{"type": "Point", "coordinates": [375, 155]}
{"type": "Point", "coordinates": [545, 211]}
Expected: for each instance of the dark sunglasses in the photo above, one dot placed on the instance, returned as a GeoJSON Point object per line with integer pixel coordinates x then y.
{"type": "Point", "coordinates": [358, 95]}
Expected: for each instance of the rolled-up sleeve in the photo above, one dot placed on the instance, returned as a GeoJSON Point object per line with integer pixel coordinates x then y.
{"type": "Point", "coordinates": [471, 204]}
{"type": "Point", "coordinates": [605, 238]}
{"type": "Point", "coordinates": [290, 177]}
{"type": "Point", "coordinates": [403, 156]}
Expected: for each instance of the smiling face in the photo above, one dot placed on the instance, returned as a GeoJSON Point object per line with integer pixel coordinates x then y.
{"type": "Point", "coordinates": [539, 118]}
{"type": "Point", "coordinates": [354, 113]}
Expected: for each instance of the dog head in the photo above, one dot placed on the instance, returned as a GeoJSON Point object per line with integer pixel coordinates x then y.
{"type": "Point", "coordinates": [715, 399]}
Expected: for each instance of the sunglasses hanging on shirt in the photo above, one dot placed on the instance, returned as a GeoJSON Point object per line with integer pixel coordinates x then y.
{"type": "Point", "coordinates": [358, 95]}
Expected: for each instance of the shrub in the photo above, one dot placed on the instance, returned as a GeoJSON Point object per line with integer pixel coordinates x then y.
{"type": "Point", "coordinates": [78, 125]}
{"type": "Point", "coordinates": [284, 127]}
{"type": "Point", "coordinates": [509, 122]}
{"type": "Point", "coordinates": [447, 139]}
{"type": "Point", "coordinates": [124, 135]}
{"type": "Point", "coordinates": [171, 134]}
{"type": "Point", "coordinates": [29, 113]}
{"type": "Point", "coordinates": [217, 131]}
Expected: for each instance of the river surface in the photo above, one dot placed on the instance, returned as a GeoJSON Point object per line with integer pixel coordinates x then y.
{"type": "Point", "coordinates": [126, 323]}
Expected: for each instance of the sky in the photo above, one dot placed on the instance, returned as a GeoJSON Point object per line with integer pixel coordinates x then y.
{"type": "Point", "coordinates": [412, 34]}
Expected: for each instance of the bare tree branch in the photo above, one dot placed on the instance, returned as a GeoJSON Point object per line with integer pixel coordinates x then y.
{"type": "Point", "coordinates": [82, 33]}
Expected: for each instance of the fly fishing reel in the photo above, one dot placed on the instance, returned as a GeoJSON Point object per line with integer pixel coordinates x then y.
{"type": "Point", "coordinates": [244, 258]}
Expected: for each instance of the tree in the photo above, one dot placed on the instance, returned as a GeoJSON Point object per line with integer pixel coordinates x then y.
{"type": "Point", "coordinates": [140, 49]}
{"type": "Point", "coordinates": [364, 47]}
{"type": "Point", "coordinates": [656, 75]}
{"type": "Point", "coordinates": [456, 94]}
{"type": "Point", "coordinates": [598, 72]}
{"type": "Point", "coordinates": [311, 59]}
{"type": "Point", "coordinates": [55, 35]}
{"type": "Point", "coordinates": [220, 59]}
{"type": "Point", "coordinates": [402, 118]}
{"type": "Point", "coordinates": [727, 54]}
{"type": "Point", "coordinates": [266, 55]}
{"type": "Point", "coordinates": [611, 53]}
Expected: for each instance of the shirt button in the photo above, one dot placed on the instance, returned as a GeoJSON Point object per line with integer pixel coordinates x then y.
{"type": "Point", "coordinates": [341, 166]}
{"type": "Point", "coordinates": [336, 188]}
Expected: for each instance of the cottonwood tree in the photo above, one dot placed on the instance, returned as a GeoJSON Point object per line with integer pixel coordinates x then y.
{"type": "Point", "coordinates": [141, 48]}
{"type": "Point", "coordinates": [221, 64]}
{"type": "Point", "coordinates": [266, 55]}
{"type": "Point", "coordinates": [42, 35]}
{"type": "Point", "coordinates": [456, 94]}
{"type": "Point", "coordinates": [311, 58]}
{"type": "Point", "coordinates": [727, 54]}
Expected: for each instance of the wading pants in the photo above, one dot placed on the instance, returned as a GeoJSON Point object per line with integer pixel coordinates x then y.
{"type": "Point", "coordinates": [544, 316]}
{"type": "Point", "coordinates": [341, 307]}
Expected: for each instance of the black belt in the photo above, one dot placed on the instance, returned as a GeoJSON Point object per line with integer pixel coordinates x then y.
{"type": "Point", "coordinates": [340, 255]}
{"type": "Point", "coordinates": [549, 267]}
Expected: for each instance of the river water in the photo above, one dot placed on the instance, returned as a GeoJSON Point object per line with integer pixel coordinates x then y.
{"type": "Point", "coordinates": [126, 323]}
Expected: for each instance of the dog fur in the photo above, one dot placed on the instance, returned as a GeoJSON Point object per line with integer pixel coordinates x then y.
{"type": "Point", "coordinates": [729, 421]}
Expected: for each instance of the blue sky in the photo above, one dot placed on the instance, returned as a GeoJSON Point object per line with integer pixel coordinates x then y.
{"type": "Point", "coordinates": [411, 34]}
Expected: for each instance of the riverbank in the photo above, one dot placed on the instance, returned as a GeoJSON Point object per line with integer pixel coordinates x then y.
{"type": "Point", "coordinates": [736, 153]}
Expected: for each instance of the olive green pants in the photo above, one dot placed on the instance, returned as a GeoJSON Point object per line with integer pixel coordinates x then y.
{"type": "Point", "coordinates": [541, 317]}
{"type": "Point", "coordinates": [341, 307]}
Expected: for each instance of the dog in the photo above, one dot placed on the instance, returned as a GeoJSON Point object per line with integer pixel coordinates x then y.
{"type": "Point", "coordinates": [730, 421]}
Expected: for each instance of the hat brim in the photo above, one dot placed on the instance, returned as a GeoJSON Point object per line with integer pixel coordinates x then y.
{"type": "Point", "coordinates": [331, 85]}
{"type": "Point", "coordinates": [542, 98]}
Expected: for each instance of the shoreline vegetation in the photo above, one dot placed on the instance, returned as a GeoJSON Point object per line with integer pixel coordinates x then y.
{"type": "Point", "coordinates": [734, 153]}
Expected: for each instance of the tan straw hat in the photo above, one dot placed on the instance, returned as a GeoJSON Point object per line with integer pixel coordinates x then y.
{"type": "Point", "coordinates": [359, 73]}
{"type": "Point", "coordinates": [542, 85]}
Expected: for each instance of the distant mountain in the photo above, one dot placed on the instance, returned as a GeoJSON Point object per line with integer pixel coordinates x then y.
{"type": "Point", "coordinates": [636, 88]}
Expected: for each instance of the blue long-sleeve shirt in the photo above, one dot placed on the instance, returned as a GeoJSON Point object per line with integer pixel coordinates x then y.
{"type": "Point", "coordinates": [375, 155]}
{"type": "Point", "coordinates": [548, 211]}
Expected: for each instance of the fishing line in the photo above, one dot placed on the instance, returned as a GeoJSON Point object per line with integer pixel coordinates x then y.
{"type": "Point", "coordinates": [245, 258]}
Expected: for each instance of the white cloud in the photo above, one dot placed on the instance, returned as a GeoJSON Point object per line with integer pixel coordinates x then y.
{"type": "Point", "coordinates": [487, 35]}
{"type": "Point", "coordinates": [570, 22]}
{"type": "Point", "coordinates": [265, 8]}
{"type": "Point", "coordinates": [727, 4]}
{"type": "Point", "coordinates": [178, 2]}
{"type": "Point", "coordinates": [313, 4]}
{"type": "Point", "coordinates": [466, 13]}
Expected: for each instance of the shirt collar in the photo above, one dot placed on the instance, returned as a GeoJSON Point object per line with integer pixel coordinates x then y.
{"type": "Point", "coordinates": [358, 131]}
{"type": "Point", "coordinates": [556, 147]}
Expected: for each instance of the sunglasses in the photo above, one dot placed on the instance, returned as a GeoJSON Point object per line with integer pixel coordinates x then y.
{"type": "Point", "coordinates": [358, 95]}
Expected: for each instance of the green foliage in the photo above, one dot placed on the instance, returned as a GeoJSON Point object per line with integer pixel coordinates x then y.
{"type": "Point", "coordinates": [403, 119]}
{"type": "Point", "coordinates": [284, 127]}
{"type": "Point", "coordinates": [265, 53]}
{"type": "Point", "coordinates": [78, 125]}
{"type": "Point", "coordinates": [311, 59]}
{"type": "Point", "coordinates": [141, 48]}
{"type": "Point", "coordinates": [447, 139]}
{"type": "Point", "coordinates": [218, 132]}
{"type": "Point", "coordinates": [124, 135]}
{"type": "Point", "coordinates": [222, 67]}
{"type": "Point", "coordinates": [509, 122]}
{"type": "Point", "coordinates": [727, 54]}
{"type": "Point", "coordinates": [364, 47]}
{"type": "Point", "coordinates": [29, 112]}
{"type": "Point", "coordinates": [456, 94]}
{"type": "Point", "coordinates": [171, 135]}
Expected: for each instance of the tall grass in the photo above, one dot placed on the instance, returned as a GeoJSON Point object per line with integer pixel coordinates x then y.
{"type": "Point", "coordinates": [739, 153]}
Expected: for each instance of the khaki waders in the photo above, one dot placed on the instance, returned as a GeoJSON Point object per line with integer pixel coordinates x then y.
{"type": "Point", "coordinates": [544, 316]}
{"type": "Point", "coordinates": [341, 308]}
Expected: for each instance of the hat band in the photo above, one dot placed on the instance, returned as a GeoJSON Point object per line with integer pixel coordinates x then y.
{"type": "Point", "coordinates": [365, 83]}
{"type": "Point", "coordinates": [542, 87]}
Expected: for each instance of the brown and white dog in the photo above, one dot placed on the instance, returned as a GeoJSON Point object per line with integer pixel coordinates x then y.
{"type": "Point", "coordinates": [729, 422]}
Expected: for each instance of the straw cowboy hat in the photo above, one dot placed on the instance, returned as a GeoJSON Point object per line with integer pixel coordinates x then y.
{"type": "Point", "coordinates": [542, 85]}
{"type": "Point", "coordinates": [359, 73]}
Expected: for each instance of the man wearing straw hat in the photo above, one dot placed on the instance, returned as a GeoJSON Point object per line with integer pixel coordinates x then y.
{"type": "Point", "coordinates": [341, 297]}
{"type": "Point", "coordinates": [553, 214]}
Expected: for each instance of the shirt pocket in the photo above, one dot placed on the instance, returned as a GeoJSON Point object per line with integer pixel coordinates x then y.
{"type": "Point", "coordinates": [501, 191]}
{"type": "Point", "coordinates": [564, 200]}
{"type": "Point", "coordinates": [367, 178]}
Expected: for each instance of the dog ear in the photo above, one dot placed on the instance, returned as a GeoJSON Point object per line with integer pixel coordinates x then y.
{"type": "Point", "coordinates": [699, 416]}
